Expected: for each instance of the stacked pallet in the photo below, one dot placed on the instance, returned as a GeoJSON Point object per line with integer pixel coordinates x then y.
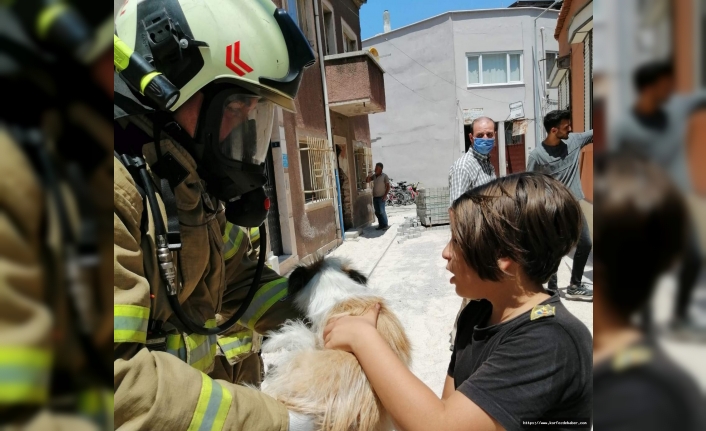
{"type": "Point", "coordinates": [433, 206]}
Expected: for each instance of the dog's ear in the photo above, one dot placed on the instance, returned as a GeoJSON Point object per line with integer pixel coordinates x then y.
{"type": "Point", "coordinates": [355, 275]}
{"type": "Point", "coordinates": [297, 280]}
{"type": "Point", "coordinates": [302, 275]}
{"type": "Point", "coordinates": [358, 277]}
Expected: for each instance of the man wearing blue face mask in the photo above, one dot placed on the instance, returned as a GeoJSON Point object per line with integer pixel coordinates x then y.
{"type": "Point", "coordinates": [474, 169]}
{"type": "Point", "coordinates": [558, 156]}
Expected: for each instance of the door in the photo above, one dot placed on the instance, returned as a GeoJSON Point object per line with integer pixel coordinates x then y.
{"type": "Point", "coordinates": [514, 150]}
{"type": "Point", "coordinates": [274, 232]}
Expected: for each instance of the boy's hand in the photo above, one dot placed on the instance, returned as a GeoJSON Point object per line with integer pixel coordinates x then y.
{"type": "Point", "coordinates": [344, 333]}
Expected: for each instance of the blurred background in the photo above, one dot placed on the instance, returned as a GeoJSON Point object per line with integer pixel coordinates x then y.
{"type": "Point", "coordinates": [665, 40]}
{"type": "Point", "coordinates": [55, 207]}
{"type": "Point", "coordinates": [649, 103]}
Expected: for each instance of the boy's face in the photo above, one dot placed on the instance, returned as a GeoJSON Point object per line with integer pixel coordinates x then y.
{"type": "Point", "coordinates": [464, 277]}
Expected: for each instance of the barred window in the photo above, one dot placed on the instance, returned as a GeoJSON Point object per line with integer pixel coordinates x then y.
{"type": "Point", "coordinates": [363, 166]}
{"type": "Point", "coordinates": [317, 169]}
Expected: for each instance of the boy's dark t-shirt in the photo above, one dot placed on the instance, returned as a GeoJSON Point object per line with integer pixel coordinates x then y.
{"type": "Point", "coordinates": [640, 388]}
{"type": "Point", "coordinates": [525, 369]}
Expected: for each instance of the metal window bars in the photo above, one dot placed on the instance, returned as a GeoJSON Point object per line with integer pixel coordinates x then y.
{"type": "Point", "coordinates": [321, 164]}
{"type": "Point", "coordinates": [363, 165]}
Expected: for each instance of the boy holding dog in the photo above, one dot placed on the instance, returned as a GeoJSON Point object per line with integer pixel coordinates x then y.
{"type": "Point", "coordinates": [519, 356]}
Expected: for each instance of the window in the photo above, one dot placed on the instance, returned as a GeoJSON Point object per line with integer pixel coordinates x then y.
{"type": "Point", "coordinates": [329, 30]}
{"type": "Point", "coordinates": [363, 165]}
{"type": "Point", "coordinates": [293, 10]}
{"type": "Point", "coordinates": [317, 169]}
{"type": "Point", "coordinates": [493, 69]}
{"type": "Point", "coordinates": [549, 59]}
{"type": "Point", "coordinates": [302, 13]}
{"type": "Point", "coordinates": [515, 146]}
{"type": "Point", "coordinates": [350, 45]}
{"type": "Point", "coordinates": [350, 40]}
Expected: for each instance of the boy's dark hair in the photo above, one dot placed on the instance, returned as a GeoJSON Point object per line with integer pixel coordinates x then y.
{"type": "Point", "coordinates": [650, 73]}
{"type": "Point", "coordinates": [378, 164]}
{"type": "Point", "coordinates": [529, 218]}
{"type": "Point", "coordinates": [554, 118]}
{"type": "Point", "coordinates": [640, 226]}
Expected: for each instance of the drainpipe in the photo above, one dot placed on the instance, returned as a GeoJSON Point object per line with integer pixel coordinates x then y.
{"type": "Point", "coordinates": [543, 71]}
{"type": "Point", "coordinates": [535, 69]}
{"type": "Point", "coordinates": [338, 208]}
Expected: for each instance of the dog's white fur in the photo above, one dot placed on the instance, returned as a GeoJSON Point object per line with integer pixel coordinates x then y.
{"type": "Point", "coordinates": [330, 385]}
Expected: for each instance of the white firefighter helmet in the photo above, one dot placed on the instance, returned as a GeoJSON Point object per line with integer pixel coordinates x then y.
{"type": "Point", "coordinates": [193, 43]}
{"type": "Point", "coordinates": [241, 57]}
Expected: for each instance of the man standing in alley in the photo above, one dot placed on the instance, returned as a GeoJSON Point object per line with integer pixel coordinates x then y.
{"type": "Point", "coordinates": [473, 169]}
{"type": "Point", "coordinates": [558, 156]}
{"type": "Point", "coordinates": [381, 187]}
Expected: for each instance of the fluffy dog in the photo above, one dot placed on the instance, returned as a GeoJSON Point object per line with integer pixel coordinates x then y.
{"type": "Point", "coordinates": [329, 384]}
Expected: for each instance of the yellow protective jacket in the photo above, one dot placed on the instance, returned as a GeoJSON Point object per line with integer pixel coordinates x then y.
{"type": "Point", "coordinates": [37, 334]}
{"type": "Point", "coordinates": [191, 386]}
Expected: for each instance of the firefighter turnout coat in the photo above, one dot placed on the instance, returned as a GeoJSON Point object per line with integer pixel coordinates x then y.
{"type": "Point", "coordinates": [193, 385]}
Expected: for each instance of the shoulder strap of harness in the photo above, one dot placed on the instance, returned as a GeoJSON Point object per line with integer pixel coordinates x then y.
{"type": "Point", "coordinates": [132, 166]}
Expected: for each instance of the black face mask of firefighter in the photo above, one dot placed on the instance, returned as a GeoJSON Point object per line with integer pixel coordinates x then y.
{"type": "Point", "coordinates": [232, 139]}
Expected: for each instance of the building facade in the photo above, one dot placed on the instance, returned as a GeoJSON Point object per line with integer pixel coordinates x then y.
{"type": "Point", "coordinates": [320, 155]}
{"type": "Point", "coordinates": [313, 150]}
{"type": "Point", "coordinates": [442, 72]}
{"type": "Point", "coordinates": [572, 75]}
{"type": "Point", "coordinates": [689, 30]}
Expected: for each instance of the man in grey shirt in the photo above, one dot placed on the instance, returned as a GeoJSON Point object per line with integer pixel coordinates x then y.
{"type": "Point", "coordinates": [381, 187]}
{"type": "Point", "coordinates": [657, 129]}
{"type": "Point", "coordinates": [558, 156]}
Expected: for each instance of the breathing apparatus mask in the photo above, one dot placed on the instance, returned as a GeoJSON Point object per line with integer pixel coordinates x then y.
{"type": "Point", "coordinates": [230, 146]}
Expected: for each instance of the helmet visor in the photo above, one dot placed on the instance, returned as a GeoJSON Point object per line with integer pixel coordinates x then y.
{"type": "Point", "coordinates": [246, 127]}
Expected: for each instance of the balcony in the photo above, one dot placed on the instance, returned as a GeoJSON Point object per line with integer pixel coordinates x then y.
{"type": "Point", "coordinates": [355, 83]}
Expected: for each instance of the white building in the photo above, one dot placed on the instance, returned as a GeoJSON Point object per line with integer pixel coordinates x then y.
{"type": "Point", "coordinates": [447, 69]}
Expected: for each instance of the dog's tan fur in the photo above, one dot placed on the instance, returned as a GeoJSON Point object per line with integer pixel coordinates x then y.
{"type": "Point", "coordinates": [331, 385]}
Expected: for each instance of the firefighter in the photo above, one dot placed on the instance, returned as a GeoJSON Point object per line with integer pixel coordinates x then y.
{"type": "Point", "coordinates": [54, 343]}
{"type": "Point", "coordinates": [196, 87]}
